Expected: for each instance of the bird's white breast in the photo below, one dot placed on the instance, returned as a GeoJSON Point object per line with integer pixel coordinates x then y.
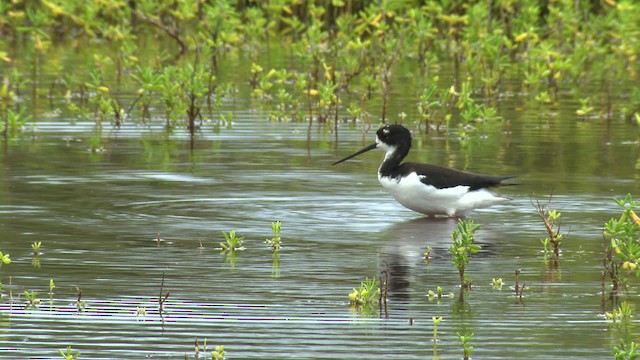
{"type": "Point", "coordinates": [429, 200]}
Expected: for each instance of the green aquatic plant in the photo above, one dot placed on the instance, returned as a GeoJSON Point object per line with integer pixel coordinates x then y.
{"type": "Point", "coordinates": [95, 142]}
{"type": "Point", "coordinates": [436, 322]}
{"type": "Point", "coordinates": [52, 286]}
{"type": "Point", "coordinates": [149, 81]}
{"type": "Point", "coordinates": [435, 106]}
{"type": "Point", "coordinates": [427, 254]}
{"type": "Point", "coordinates": [623, 313]}
{"type": "Point", "coordinates": [631, 109]}
{"type": "Point", "coordinates": [195, 79]}
{"type": "Point", "coordinates": [171, 93]}
{"type": "Point", "coordinates": [551, 220]}
{"type": "Point", "coordinates": [438, 294]}
{"type": "Point", "coordinates": [36, 247]}
{"type": "Point", "coordinates": [218, 353]}
{"type": "Point", "coordinates": [543, 97]}
{"type": "Point", "coordinates": [68, 355]}
{"type": "Point", "coordinates": [470, 110]}
{"type": "Point", "coordinates": [231, 246]}
{"type": "Point", "coordinates": [497, 283]}
{"type": "Point", "coordinates": [465, 340]}
{"type": "Point", "coordinates": [463, 247]}
{"type": "Point", "coordinates": [585, 107]}
{"type": "Point", "coordinates": [12, 117]}
{"type": "Point", "coordinates": [624, 351]}
{"type": "Point", "coordinates": [32, 300]}
{"type": "Point", "coordinates": [623, 251]}
{"type": "Point", "coordinates": [14, 122]}
{"type": "Point", "coordinates": [367, 294]}
{"type": "Point", "coordinates": [5, 259]}
{"type": "Point", "coordinates": [275, 241]}
{"type": "Point", "coordinates": [100, 98]}
{"type": "Point", "coordinates": [233, 242]}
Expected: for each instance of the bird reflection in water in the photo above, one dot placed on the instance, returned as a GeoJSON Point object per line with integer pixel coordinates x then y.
{"type": "Point", "coordinates": [402, 255]}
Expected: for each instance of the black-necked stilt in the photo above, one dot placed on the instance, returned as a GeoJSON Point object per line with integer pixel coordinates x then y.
{"type": "Point", "coordinates": [425, 188]}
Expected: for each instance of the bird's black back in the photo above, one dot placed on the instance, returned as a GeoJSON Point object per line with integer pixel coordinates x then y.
{"type": "Point", "coordinates": [442, 177]}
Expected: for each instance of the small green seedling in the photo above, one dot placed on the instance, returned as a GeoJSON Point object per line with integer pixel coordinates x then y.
{"type": "Point", "coordinates": [68, 355]}
{"type": "Point", "coordinates": [497, 283]}
{"type": "Point", "coordinates": [218, 353]}
{"type": "Point", "coordinates": [439, 294]}
{"type": "Point", "coordinates": [234, 243]}
{"type": "Point", "coordinates": [465, 340]}
{"type": "Point", "coordinates": [436, 322]}
{"type": "Point", "coordinates": [623, 313]}
{"type": "Point", "coordinates": [427, 254]}
{"type": "Point", "coordinates": [274, 242]}
{"type": "Point", "coordinates": [36, 247]}
{"type": "Point", "coordinates": [463, 247]}
{"type": "Point", "coordinates": [551, 220]}
{"type": "Point", "coordinates": [32, 300]}
{"type": "Point", "coordinates": [626, 351]}
{"type": "Point", "coordinates": [368, 292]}
{"type": "Point", "coordinates": [4, 259]}
{"type": "Point", "coordinates": [585, 107]}
{"type": "Point", "coordinates": [52, 286]}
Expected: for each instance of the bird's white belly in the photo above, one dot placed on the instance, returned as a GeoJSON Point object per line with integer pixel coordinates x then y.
{"type": "Point", "coordinates": [429, 200]}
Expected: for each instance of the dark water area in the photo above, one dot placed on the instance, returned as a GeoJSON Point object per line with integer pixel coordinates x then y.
{"type": "Point", "coordinates": [98, 214]}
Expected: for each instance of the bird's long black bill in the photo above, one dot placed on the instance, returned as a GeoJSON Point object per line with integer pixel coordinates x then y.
{"type": "Point", "coordinates": [370, 147]}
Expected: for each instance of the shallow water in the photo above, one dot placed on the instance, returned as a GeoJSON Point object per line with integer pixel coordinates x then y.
{"type": "Point", "coordinates": [97, 216]}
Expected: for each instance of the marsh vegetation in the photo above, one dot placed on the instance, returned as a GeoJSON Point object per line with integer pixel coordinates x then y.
{"type": "Point", "coordinates": [200, 119]}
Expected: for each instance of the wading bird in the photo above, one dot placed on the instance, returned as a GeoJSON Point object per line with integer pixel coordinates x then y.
{"type": "Point", "coordinates": [429, 189]}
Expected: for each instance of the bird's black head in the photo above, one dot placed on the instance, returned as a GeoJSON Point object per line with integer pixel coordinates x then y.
{"type": "Point", "coordinates": [390, 138]}
{"type": "Point", "coordinates": [394, 135]}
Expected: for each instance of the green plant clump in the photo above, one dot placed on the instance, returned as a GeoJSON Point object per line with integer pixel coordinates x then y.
{"type": "Point", "coordinates": [462, 248]}
{"type": "Point", "coordinates": [233, 242]}
{"type": "Point", "coordinates": [5, 259]}
{"type": "Point", "coordinates": [68, 355]}
{"type": "Point", "coordinates": [367, 294]}
{"type": "Point", "coordinates": [623, 313]}
{"type": "Point", "coordinates": [218, 353]}
{"type": "Point", "coordinates": [465, 340]}
{"type": "Point", "coordinates": [626, 351]}
{"type": "Point", "coordinates": [275, 241]}
{"type": "Point", "coordinates": [32, 300]}
{"type": "Point", "coordinates": [623, 241]}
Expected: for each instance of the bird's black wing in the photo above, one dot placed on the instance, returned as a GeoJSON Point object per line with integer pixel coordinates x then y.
{"type": "Point", "coordinates": [442, 177]}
